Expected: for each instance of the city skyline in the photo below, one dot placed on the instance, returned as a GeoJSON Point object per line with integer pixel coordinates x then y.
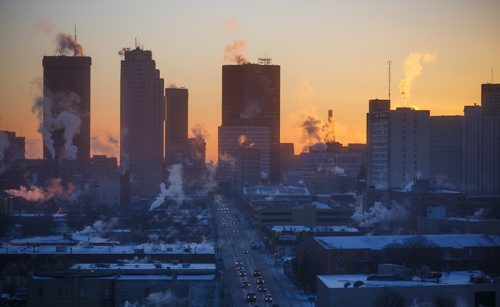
{"type": "Point", "coordinates": [333, 67]}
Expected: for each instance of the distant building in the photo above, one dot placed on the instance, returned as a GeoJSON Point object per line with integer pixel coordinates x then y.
{"type": "Point", "coordinates": [247, 171]}
{"type": "Point", "coordinates": [176, 123]}
{"type": "Point", "coordinates": [481, 162]}
{"type": "Point", "coordinates": [377, 136]}
{"type": "Point", "coordinates": [15, 150]}
{"type": "Point", "coordinates": [141, 121]}
{"type": "Point", "coordinates": [287, 159]}
{"type": "Point", "coordinates": [251, 98]}
{"type": "Point", "coordinates": [446, 138]}
{"type": "Point", "coordinates": [66, 84]}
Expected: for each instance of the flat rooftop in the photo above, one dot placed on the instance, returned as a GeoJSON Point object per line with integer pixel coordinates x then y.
{"type": "Point", "coordinates": [279, 190]}
{"type": "Point", "coordinates": [379, 242]}
{"type": "Point", "coordinates": [447, 279]}
{"type": "Point", "coordinates": [138, 267]}
{"type": "Point", "coordinates": [141, 249]}
{"type": "Point", "coordinates": [302, 228]}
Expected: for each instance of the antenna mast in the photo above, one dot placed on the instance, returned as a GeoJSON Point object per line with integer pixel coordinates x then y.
{"type": "Point", "coordinates": [492, 75]}
{"type": "Point", "coordinates": [389, 62]}
{"type": "Point", "coordinates": [75, 33]}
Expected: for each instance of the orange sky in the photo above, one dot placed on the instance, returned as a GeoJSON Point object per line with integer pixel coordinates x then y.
{"type": "Point", "coordinates": [332, 55]}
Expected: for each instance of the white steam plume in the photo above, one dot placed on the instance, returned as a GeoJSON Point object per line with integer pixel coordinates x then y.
{"type": "Point", "coordinates": [413, 69]}
{"type": "Point", "coordinates": [38, 194]}
{"type": "Point", "coordinates": [174, 190]}
{"type": "Point", "coordinates": [379, 214]}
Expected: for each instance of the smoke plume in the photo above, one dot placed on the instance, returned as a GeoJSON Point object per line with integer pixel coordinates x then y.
{"type": "Point", "coordinates": [56, 112]}
{"type": "Point", "coordinates": [315, 131]}
{"type": "Point", "coordinates": [122, 51]}
{"type": "Point", "coordinates": [234, 52]}
{"type": "Point", "coordinates": [175, 189]}
{"type": "Point", "coordinates": [199, 132]}
{"type": "Point", "coordinates": [99, 227]}
{"type": "Point", "coordinates": [66, 43]}
{"type": "Point", "coordinates": [38, 194]}
{"type": "Point", "coordinates": [4, 144]}
{"type": "Point", "coordinates": [251, 109]}
{"type": "Point", "coordinates": [379, 214]}
{"type": "Point", "coordinates": [413, 69]}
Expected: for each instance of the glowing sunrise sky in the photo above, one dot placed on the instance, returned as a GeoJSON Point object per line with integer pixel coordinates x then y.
{"type": "Point", "coordinates": [333, 54]}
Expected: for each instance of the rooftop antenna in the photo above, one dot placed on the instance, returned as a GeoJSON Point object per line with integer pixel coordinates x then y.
{"type": "Point", "coordinates": [135, 42]}
{"type": "Point", "coordinates": [492, 75]}
{"type": "Point", "coordinates": [389, 63]}
{"type": "Point", "coordinates": [75, 33]}
{"type": "Point", "coordinates": [331, 123]}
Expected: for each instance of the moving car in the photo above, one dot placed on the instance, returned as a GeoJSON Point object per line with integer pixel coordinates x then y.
{"type": "Point", "coordinates": [257, 273]}
{"type": "Point", "coordinates": [242, 273]}
{"type": "Point", "coordinates": [245, 284]}
{"type": "Point", "coordinates": [260, 281]}
{"type": "Point", "coordinates": [251, 297]}
{"type": "Point", "coordinates": [268, 298]}
{"type": "Point", "coordinates": [262, 288]}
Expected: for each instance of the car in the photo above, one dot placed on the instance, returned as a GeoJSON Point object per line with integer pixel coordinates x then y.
{"type": "Point", "coordinates": [257, 273]}
{"type": "Point", "coordinates": [245, 251]}
{"type": "Point", "coordinates": [236, 231]}
{"type": "Point", "coordinates": [245, 284]}
{"type": "Point", "coordinates": [242, 273]}
{"type": "Point", "coordinates": [251, 297]}
{"type": "Point", "coordinates": [260, 281]}
{"type": "Point", "coordinates": [238, 262]}
{"type": "Point", "coordinates": [268, 298]}
{"type": "Point", "coordinates": [262, 288]}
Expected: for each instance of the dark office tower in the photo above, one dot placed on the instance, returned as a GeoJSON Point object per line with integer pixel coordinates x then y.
{"type": "Point", "coordinates": [66, 82]}
{"type": "Point", "coordinates": [490, 99]}
{"type": "Point", "coordinates": [141, 121]}
{"type": "Point", "coordinates": [176, 125]}
{"type": "Point", "coordinates": [251, 98]}
{"type": "Point", "coordinates": [446, 139]}
{"type": "Point", "coordinates": [377, 133]}
{"type": "Point", "coordinates": [481, 147]}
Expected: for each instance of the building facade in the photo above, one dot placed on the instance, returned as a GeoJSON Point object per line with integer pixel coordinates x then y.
{"type": "Point", "coordinates": [176, 122]}
{"type": "Point", "coordinates": [141, 121]}
{"type": "Point", "coordinates": [251, 98]}
{"type": "Point", "coordinates": [377, 139]}
{"type": "Point", "coordinates": [66, 88]}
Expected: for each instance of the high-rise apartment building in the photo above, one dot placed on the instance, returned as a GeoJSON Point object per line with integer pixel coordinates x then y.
{"type": "Point", "coordinates": [251, 98]}
{"type": "Point", "coordinates": [481, 144]}
{"type": "Point", "coordinates": [66, 87]}
{"type": "Point", "coordinates": [176, 122]}
{"type": "Point", "coordinates": [141, 121]}
{"type": "Point", "coordinates": [377, 134]}
{"type": "Point", "coordinates": [398, 145]}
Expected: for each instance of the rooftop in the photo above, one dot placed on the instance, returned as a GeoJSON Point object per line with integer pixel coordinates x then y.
{"type": "Point", "coordinates": [302, 228]}
{"type": "Point", "coordinates": [379, 242]}
{"type": "Point", "coordinates": [448, 278]}
{"type": "Point", "coordinates": [279, 190]}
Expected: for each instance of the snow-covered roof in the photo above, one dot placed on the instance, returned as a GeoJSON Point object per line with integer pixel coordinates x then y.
{"type": "Point", "coordinates": [447, 279]}
{"type": "Point", "coordinates": [379, 242]}
{"type": "Point", "coordinates": [276, 190]}
{"type": "Point", "coordinates": [302, 228]}
{"type": "Point", "coordinates": [131, 266]}
{"type": "Point", "coordinates": [61, 240]}
{"type": "Point", "coordinates": [142, 249]}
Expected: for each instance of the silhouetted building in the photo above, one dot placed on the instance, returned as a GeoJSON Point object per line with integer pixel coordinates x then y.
{"type": "Point", "coordinates": [247, 168]}
{"type": "Point", "coordinates": [287, 159]}
{"type": "Point", "coordinates": [446, 138]}
{"type": "Point", "coordinates": [66, 88]}
{"type": "Point", "coordinates": [377, 137]}
{"type": "Point", "coordinates": [481, 168]}
{"type": "Point", "coordinates": [141, 121]}
{"type": "Point", "coordinates": [251, 98]}
{"type": "Point", "coordinates": [13, 148]}
{"type": "Point", "coordinates": [176, 122]}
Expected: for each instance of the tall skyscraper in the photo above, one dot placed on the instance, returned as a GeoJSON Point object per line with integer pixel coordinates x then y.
{"type": "Point", "coordinates": [481, 146]}
{"type": "Point", "coordinates": [176, 123]}
{"type": "Point", "coordinates": [66, 84]}
{"type": "Point", "coordinates": [446, 138]}
{"type": "Point", "coordinates": [141, 121]}
{"type": "Point", "coordinates": [251, 98]}
{"type": "Point", "coordinates": [377, 136]}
